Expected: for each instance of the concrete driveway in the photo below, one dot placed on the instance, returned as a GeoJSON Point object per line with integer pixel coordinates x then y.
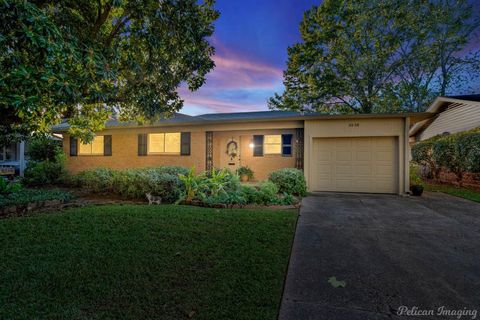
{"type": "Point", "coordinates": [392, 252]}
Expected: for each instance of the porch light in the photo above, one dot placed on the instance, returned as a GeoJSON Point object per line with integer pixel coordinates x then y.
{"type": "Point", "coordinates": [251, 145]}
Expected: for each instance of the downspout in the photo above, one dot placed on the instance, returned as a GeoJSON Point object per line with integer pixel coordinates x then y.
{"type": "Point", "coordinates": [406, 155]}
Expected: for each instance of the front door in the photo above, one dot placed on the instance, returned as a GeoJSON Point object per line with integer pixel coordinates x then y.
{"type": "Point", "coordinates": [230, 153]}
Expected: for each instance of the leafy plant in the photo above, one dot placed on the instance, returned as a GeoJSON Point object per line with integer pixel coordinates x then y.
{"type": "Point", "coordinates": [422, 154]}
{"type": "Point", "coordinates": [43, 148]}
{"type": "Point", "coordinates": [9, 187]}
{"type": "Point", "coordinates": [46, 172]}
{"type": "Point", "coordinates": [192, 185]}
{"type": "Point", "coordinates": [87, 59]}
{"type": "Point", "coordinates": [245, 171]}
{"type": "Point", "coordinates": [289, 181]}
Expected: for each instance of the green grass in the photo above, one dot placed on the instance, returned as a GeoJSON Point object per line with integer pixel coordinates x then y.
{"type": "Point", "coordinates": [138, 262]}
{"type": "Point", "coordinates": [455, 191]}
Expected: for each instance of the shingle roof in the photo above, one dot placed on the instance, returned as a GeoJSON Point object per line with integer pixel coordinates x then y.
{"type": "Point", "coordinates": [249, 115]}
{"type": "Point", "coordinates": [212, 118]}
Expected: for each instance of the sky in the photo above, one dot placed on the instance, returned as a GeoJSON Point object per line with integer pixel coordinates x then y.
{"type": "Point", "coordinates": [251, 39]}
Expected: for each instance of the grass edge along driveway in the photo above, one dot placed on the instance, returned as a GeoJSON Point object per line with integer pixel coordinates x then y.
{"type": "Point", "coordinates": [132, 262]}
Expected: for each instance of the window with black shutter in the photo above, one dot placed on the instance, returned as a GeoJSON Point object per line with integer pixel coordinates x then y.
{"type": "Point", "coordinates": [185, 144]}
{"type": "Point", "coordinates": [287, 145]}
{"type": "Point", "coordinates": [107, 145]}
{"type": "Point", "coordinates": [258, 146]}
{"type": "Point", "coordinates": [142, 144]}
{"type": "Point", "coordinates": [73, 146]}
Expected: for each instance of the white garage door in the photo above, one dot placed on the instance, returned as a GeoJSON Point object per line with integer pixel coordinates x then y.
{"type": "Point", "coordinates": [366, 164]}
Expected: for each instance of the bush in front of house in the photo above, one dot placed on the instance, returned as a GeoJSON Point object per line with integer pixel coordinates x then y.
{"type": "Point", "coordinates": [458, 153]}
{"type": "Point", "coordinates": [266, 193]}
{"type": "Point", "coordinates": [289, 181]}
{"type": "Point", "coordinates": [133, 183]}
{"type": "Point", "coordinates": [46, 165]}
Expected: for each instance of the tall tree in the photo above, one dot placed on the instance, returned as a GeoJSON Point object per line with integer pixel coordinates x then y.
{"type": "Point", "coordinates": [86, 59]}
{"type": "Point", "coordinates": [377, 56]}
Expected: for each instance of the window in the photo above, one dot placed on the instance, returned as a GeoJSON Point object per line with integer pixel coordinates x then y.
{"type": "Point", "coordinates": [287, 144]}
{"type": "Point", "coordinates": [94, 148]}
{"type": "Point", "coordinates": [272, 144]}
{"type": "Point", "coordinates": [164, 143]}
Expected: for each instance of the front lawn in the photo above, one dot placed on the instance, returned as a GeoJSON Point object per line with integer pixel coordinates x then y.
{"type": "Point", "coordinates": [138, 262]}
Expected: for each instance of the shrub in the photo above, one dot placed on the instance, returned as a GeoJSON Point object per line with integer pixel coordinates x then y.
{"type": "Point", "coordinates": [268, 192]}
{"type": "Point", "coordinates": [289, 181]}
{"type": "Point", "coordinates": [98, 180]}
{"type": "Point", "coordinates": [422, 154]}
{"type": "Point", "coordinates": [467, 147]}
{"type": "Point", "coordinates": [7, 187]}
{"type": "Point", "coordinates": [225, 199]}
{"type": "Point", "coordinates": [133, 183]}
{"type": "Point", "coordinates": [43, 148]}
{"type": "Point", "coordinates": [45, 172]}
{"type": "Point", "coordinates": [25, 196]}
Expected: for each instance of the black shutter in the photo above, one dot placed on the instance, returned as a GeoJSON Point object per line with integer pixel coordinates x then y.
{"type": "Point", "coordinates": [258, 146]}
{"type": "Point", "coordinates": [107, 145]}
{"type": "Point", "coordinates": [142, 144]}
{"type": "Point", "coordinates": [185, 144]}
{"type": "Point", "coordinates": [287, 144]}
{"type": "Point", "coordinates": [73, 146]}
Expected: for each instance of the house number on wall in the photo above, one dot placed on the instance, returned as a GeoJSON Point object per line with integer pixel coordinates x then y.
{"type": "Point", "coordinates": [356, 124]}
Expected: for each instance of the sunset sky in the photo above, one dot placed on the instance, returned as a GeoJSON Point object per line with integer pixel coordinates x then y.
{"type": "Point", "coordinates": [251, 39]}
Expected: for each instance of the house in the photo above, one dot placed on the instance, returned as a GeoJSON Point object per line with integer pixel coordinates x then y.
{"type": "Point", "coordinates": [12, 158]}
{"type": "Point", "coordinates": [453, 114]}
{"type": "Point", "coordinates": [343, 153]}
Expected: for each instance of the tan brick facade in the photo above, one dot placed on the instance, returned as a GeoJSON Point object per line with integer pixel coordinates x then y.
{"type": "Point", "coordinates": [125, 150]}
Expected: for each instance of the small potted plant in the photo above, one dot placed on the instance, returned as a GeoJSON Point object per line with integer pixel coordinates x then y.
{"type": "Point", "coordinates": [416, 186]}
{"type": "Point", "coordinates": [245, 173]}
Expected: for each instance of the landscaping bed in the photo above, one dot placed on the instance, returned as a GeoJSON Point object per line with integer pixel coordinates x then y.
{"type": "Point", "coordinates": [27, 200]}
{"type": "Point", "coordinates": [138, 262]}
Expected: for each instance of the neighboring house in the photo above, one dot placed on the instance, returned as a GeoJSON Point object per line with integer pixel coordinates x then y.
{"type": "Point", "coordinates": [453, 114]}
{"type": "Point", "coordinates": [12, 158]}
{"type": "Point", "coordinates": [350, 153]}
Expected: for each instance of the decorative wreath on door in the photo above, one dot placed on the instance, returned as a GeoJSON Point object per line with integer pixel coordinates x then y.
{"type": "Point", "coordinates": [232, 149]}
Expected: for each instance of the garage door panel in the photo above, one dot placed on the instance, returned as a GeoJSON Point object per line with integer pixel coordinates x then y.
{"type": "Point", "coordinates": [360, 164]}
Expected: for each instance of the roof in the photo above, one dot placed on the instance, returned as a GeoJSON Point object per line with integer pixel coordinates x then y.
{"type": "Point", "coordinates": [239, 117]}
{"type": "Point", "coordinates": [439, 105]}
{"type": "Point", "coordinates": [468, 97]}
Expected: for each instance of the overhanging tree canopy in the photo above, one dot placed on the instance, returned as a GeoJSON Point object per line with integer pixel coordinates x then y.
{"type": "Point", "coordinates": [85, 59]}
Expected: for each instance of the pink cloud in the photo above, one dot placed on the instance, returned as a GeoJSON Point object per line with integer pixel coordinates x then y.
{"type": "Point", "coordinates": [238, 83]}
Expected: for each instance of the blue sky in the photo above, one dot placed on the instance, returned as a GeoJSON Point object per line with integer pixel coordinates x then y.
{"type": "Point", "coordinates": [251, 40]}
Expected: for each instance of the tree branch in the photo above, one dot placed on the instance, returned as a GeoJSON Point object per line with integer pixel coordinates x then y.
{"type": "Point", "coordinates": [115, 30]}
{"type": "Point", "coordinates": [102, 17]}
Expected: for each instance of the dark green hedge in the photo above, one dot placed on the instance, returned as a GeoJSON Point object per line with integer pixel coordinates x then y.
{"type": "Point", "coordinates": [458, 153]}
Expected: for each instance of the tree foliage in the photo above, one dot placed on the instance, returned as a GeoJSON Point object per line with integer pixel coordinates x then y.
{"type": "Point", "coordinates": [378, 56]}
{"type": "Point", "coordinates": [87, 60]}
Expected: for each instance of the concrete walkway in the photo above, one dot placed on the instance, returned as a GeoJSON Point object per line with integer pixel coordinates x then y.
{"type": "Point", "coordinates": [390, 251]}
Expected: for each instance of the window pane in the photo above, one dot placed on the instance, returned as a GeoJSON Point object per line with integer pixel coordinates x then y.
{"type": "Point", "coordinates": [84, 148]}
{"type": "Point", "coordinates": [97, 145]}
{"type": "Point", "coordinates": [287, 151]}
{"type": "Point", "coordinates": [156, 142]}
{"type": "Point", "coordinates": [269, 139]}
{"type": "Point", "coordinates": [272, 148]}
{"type": "Point", "coordinates": [172, 142]}
{"type": "Point", "coordinates": [287, 139]}
{"type": "Point", "coordinates": [11, 152]}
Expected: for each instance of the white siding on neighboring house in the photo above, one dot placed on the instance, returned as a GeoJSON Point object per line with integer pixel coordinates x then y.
{"type": "Point", "coordinates": [457, 118]}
